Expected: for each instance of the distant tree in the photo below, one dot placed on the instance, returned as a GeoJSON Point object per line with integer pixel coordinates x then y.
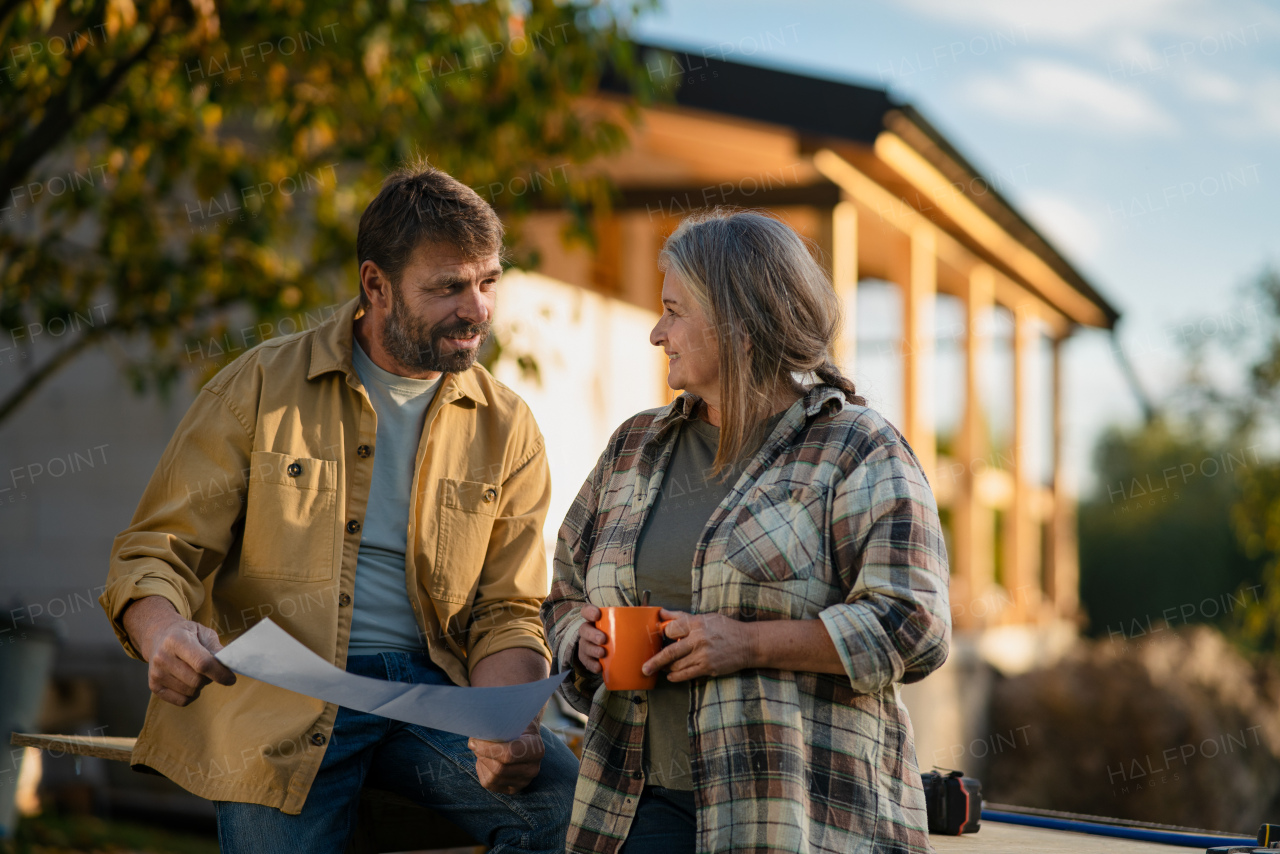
{"type": "Point", "coordinates": [1157, 543]}
{"type": "Point", "coordinates": [1252, 412]}
{"type": "Point", "coordinates": [1186, 515]}
{"type": "Point", "coordinates": [168, 167]}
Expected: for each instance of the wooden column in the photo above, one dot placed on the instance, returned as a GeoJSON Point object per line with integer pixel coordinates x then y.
{"type": "Point", "coordinates": [844, 275]}
{"type": "Point", "coordinates": [920, 293]}
{"type": "Point", "coordinates": [1063, 571]}
{"type": "Point", "coordinates": [973, 561]}
{"type": "Point", "coordinates": [1021, 540]}
{"type": "Point", "coordinates": [641, 284]}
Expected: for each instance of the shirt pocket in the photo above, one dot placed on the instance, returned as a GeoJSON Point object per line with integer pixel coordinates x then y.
{"type": "Point", "coordinates": [466, 510]}
{"type": "Point", "coordinates": [291, 518]}
{"type": "Point", "coordinates": [778, 534]}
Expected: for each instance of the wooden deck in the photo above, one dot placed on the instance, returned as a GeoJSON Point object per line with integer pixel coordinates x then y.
{"type": "Point", "coordinates": [993, 838]}
{"type": "Point", "coordinates": [998, 838]}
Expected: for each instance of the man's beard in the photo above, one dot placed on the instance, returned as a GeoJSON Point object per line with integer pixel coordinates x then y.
{"type": "Point", "coordinates": [414, 345]}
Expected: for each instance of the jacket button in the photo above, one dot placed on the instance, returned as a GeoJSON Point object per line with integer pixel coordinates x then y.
{"type": "Point", "coordinates": [353, 527]}
{"type": "Point", "coordinates": [489, 495]}
{"type": "Point", "coordinates": [363, 451]}
{"type": "Point", "coordinates": [294, 469]}
{"type": "Point", "coordinates": [318, 739]}
{"type": "Point", "coordinates": [637, 700]}
{"type": "Point", "coordinates": [344, 600]}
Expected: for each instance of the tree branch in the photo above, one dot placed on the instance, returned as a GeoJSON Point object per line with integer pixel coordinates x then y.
{"type": "Point", "coordinates": [60, 116]}
{"type": "Point", "coordinates": [7, 8]}
{"type": "Point", "coordinates": [48, 369]}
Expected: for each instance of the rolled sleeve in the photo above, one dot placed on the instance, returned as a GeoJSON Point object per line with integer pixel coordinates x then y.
{"type": "Point", "coordinates": [895, 622]}
{"type": "Point", "coordinates": [181, 531]}
{"type": "Point", "coordinates": [513, 581]}
{"type": "Point", "coordinates": [562, 610]}
{"type": "Point", "coordinates": [139, 584]}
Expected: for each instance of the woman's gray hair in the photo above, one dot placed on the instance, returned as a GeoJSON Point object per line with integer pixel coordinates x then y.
{"type": "Point", "coordinates": [772, 307]}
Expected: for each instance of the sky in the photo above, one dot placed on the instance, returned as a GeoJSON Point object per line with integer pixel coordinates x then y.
{"type": "Point", "coordinates": [1142, 137]}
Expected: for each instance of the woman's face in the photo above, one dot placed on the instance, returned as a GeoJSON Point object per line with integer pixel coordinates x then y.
{"type": "Point", "coordinates": [683, 333]}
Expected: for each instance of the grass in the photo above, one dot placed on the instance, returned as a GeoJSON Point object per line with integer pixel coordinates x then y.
{"type": "Point", "coordinates": [62, 834]}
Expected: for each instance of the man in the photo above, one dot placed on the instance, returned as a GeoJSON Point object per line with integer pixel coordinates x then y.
{"type": "Point", "coordinates": [370, 488]}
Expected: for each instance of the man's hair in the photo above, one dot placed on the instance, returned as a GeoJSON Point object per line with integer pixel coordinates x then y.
{"type": "Point", "coordinates": [421, 204]}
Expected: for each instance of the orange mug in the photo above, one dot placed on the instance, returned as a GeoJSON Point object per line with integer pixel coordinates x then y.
{"type": "Point", "coordinates": [633, 635]}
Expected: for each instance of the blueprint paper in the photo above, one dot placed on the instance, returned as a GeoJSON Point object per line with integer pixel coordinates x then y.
{"type": "Point", "coordinates": [270, 654]}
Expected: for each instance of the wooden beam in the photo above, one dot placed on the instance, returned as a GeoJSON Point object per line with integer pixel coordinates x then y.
{"type": "Point", "coordinates": [100, 746]}
{"type": "Point", "coordinates": [1063, 570]}
{"type": "Point", "coordinates": [1019, 300]}
{"type": "Point", "coordinates": [683, 199]}
{"type": "Point", "coordinates": [909, 163]}
{"type": "Point", "coordinates": [1021, 536]}
{"type": "Point", "coordinates": [920, 293]}
{"type": "Point", "coordinates": [844, 275]}
{"type": "Point", "coordinates": [973, 524]}
{"type": "Point", "coordinates": [897, 213]}
{"type": "Point", "coordinates": [641, 283]}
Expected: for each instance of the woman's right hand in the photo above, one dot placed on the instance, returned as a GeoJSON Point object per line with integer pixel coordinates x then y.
{"type": "Point", "coordinates": [590, 640]}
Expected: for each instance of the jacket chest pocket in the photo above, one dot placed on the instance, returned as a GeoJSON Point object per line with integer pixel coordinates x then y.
{"type": "Point", "coordinates": [466, 510]}
{"type": "Point", "coordinates": [779, 534]}
{"type": "Point", "coordinates": [291, 518]}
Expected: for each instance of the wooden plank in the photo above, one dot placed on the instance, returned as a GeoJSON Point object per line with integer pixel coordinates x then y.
{"type": "Point", "coordinates": [844, 275]}
{"type": "Point", "coordinates": [999, 838]}
{"type": "Point", "coordinates": [895, 151]}
{"type": "Point", "coordinates": [102, 746]}
{"type": "Point", "coordinates": [920, 294]}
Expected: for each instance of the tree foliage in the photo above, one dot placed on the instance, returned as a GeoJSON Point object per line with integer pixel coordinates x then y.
{"type": "Point", "coordinates": [1157, 543]}
{"type": "Point", "coordinates": [1187, 512]}
{"type": "Point", "coordinates": [169, 167]}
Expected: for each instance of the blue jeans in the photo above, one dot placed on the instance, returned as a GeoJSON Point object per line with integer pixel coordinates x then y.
{"type": "Point", "coordinates": [666, 822]}
{"type": "Point", "coordinates": [432, 767]}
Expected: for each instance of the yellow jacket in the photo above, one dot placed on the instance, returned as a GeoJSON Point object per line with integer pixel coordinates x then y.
{"type": "Point", "coordinates": [254, 511]}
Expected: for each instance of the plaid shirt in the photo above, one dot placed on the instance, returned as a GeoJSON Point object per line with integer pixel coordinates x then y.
{"type": "Point", "coordinates": [832, 519]}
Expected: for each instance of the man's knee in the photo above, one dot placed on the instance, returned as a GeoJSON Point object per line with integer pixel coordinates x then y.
{"type": "Point", "coordinates": [553, 792]}
{"type": "Point", "coordinates": [559, 761]}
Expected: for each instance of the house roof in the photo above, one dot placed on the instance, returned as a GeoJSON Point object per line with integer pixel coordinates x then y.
{"type": "Point", "coordinates": [819, 108]}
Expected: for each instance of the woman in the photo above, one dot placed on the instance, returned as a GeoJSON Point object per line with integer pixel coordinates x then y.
{"type": "Point", "coordinates": [790, 534]}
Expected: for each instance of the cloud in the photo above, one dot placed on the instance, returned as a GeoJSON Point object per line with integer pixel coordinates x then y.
{"type": "Point", "coordinates": [1258, 113]}
{"type": "Point", "coordinates": [1082, 22]}
{"type": "Point", "coordinates": [1211, 86]}
{"type": "Point", "coordinates": [1067, 226]}
{"type": "Point", "coordinates": [1048, 92]}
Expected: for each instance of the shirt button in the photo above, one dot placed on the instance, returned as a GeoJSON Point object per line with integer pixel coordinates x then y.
{"type": "Point", "coordinates": [294, 469]}
{"type": "Point", "coordinates": [489, 495]}
{"type": "Point", "coordinates": [353, 527]}
{"type": "Point", "coordinates": [318, 739]}
{"type": "Point", "coordinates": [635, 774]}
{"type": "Point", "coordinates": [344, 600]}
{"type": "Point", "coordinates": [637, 700]}
{"type": "Point", "coordinates": [363, 451]}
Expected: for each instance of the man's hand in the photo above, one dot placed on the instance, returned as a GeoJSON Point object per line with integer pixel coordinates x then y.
{"type": "Point", "coordinates": [706, 645]}
{"type": "Point", "coordinates": [591, 640]}
{"type": "Point", "coordinates": [507, 767]}
{"type": "Point", "coordinates": [179, 652]}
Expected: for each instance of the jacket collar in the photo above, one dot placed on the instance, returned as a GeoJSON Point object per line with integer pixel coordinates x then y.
{"type": "Point", "coordinates": [685, 406]}
{"type": "Point", "coordinates": [331, 351]}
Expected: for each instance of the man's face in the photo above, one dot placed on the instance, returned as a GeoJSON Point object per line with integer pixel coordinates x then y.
{"type": "Point", "coordinates": [441, 309]}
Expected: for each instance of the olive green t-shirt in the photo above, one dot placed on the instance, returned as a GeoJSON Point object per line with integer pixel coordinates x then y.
{"type": "Point", "coordinates": [664, 566]}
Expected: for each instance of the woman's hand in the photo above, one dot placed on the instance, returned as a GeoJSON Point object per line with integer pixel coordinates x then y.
{"type": "Point", "coordinates": [706, 645]}
{"type": "Point", "coordinates": [590, 640]}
